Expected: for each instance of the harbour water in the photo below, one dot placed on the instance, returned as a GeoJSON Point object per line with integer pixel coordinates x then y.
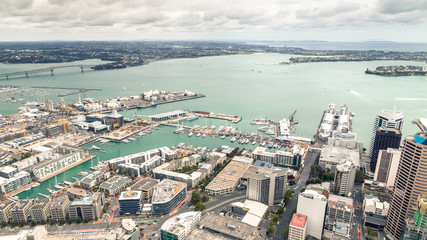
{"type": "Point", "coordinates": [250, 86]}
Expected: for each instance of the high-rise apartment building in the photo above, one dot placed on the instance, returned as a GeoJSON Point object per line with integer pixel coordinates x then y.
{"type": "Point", "coordinates": [386, 119]}
{"type": "Point", "coordinates": [267, 188]}
{"type": "Point", "coordinates": [344, 178]}
{"type": "Point", "coordinates": [297, 227]}
{"type": "Point", "coordinates": [313, 205]}
{"type": "Point", "coordinates": [388, 162]}
{"type": "Point", "coordinates": [384, 138]}
{"type": "Point", "coordinates": [411, 180]}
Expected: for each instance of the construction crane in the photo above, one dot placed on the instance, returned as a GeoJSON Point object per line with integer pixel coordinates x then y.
{"type": "Point", "coordinates": [63, 120]}
{"type": "Point", "coordinates": [23, 127]}
{"type": "Point", "coordinates": [291, 118]}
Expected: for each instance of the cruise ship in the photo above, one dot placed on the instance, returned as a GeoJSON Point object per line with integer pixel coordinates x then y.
{"type": "Point", "coordinates": [336, 123]}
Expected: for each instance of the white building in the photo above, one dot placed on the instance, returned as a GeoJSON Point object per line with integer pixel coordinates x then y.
{"type": "Point", "coordinates": [387, 164]}
{"type": "Point", "coordinates": [344, 178]}
{"type": "Point", "coordinates": [313, 205]}
{"type": "Point", "coordinates": [331, 156]}
{"type": "Point", "coordinates": [179, 226]}
{"type": "Point", "coordinates": [372, 204]}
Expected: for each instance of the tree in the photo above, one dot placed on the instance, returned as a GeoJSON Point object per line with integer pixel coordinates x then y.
{"type": "Point", "coordinates": [270, 230]}
{"type": "Point", "coordinates": [69, 221]}
{"type": "Point", "coordinates": [275, 218]}
{"type": "Point", "coordinates": [61, 222]}
{"type": "Point", "coordinates": [86, 220]}
{"type": "Point", "coordinates": [292, 182]}
{"type": "Point", "coordinates": [195, 197]}
{"type": "Point", "coordinates": [360, 177]}
{"type": "Point", "coordinates": [286, 232]}
{"type": "Point", "coordinates": [294, 210]}
{"type": "Point", "coordinates": [33, 223]}
{"type": "Point", "coordinates": [205, 198]}
{"type": "Point", "coordinates": [199, 206]}
{"type": "Point", "coordinates": [79, 220]}
{"type": "Point", "coordinates": [280, 211]}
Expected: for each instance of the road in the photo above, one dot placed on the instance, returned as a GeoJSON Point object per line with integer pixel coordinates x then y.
{"type": "Point", "coordinates": [286, 218]}
{"type": "Point", "coordinates": [358, 231]}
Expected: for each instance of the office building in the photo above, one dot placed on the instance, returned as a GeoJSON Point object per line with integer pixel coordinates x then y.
{"type": "Point", "coordinates": [40, 211]}
{"type": "Point", "coordinates": [411, 180]}
{"type": "Point", "coordinates": [297, 227]}
{"type": "Point", "coordinates": [288, 158]}
{"type": "Point", "coordinates": [89, 208]}
{"type": "Point", "coordinates": [251, 212]}
{"type": "Point", "coordinates": [167, 195]}
{"type": "Point", "coordinates": [384, 138]}
{"type": "Point", "coordinates": [331, 156]}
{"type": "Point", "coordinates": [59, 208]}
{"type": "Point", "coordinates": [21, 212]}
{"type": "Point", "coordinates": [386, 119]}
{"type": "Point", "coordinates": [48, 104]}
{"type": "Point", "coordinates": [268, 188]}
{"type": "Point", "coordinates": [5, 207]}
{"type": "Point", "coordinates": [130, 202]}
{"type": "Point", "coordinates": [387, 165]}
{"type": "Point", "coordinates": [344, 178]}
{"type": "Point", "coordinates": [179, 226]}
{"type": "Point", "coordinates": [313, 205]}
{"type": "Point", "coordinates": [128, 231]}
{"type": "Point", "coordinates": [340, 209]}
{"type": "Point", "coordinates": [76, 193]}
{"type": "Point", "coordinates": [11, 179]}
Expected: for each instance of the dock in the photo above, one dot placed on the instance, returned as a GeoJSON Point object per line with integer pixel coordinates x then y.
{"type": "Point", "coordinates": [232, 118]}
{"type": "Point", "coordinates": [66, 168]}
{"type": "Point", "coordinates": [124, 132]}
{"type": "Point", "coordinates": [44, 195]}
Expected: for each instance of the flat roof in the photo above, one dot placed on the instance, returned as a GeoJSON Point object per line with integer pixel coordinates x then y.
{"type": "Point", "coordinates": [229, 176]}
{"type": "Point", "coordinates": [144, 184]}
{"type": "Point", "coordinates": [166, 190]}
{"type": "Point", "coordinates": [298, 220]}
{"type": "Point", "coordinates": [230, 227]}
{"type": "Point", "coordinates": [179, 223]}
{"type": "Point", "coordinates": [167, 114]}
{"type": "Point", "coordinates": [115, 182]}
{"type": "Point", "coordinates": [130, 195]}
{"type": "Point", "coordinates": [8, 169]}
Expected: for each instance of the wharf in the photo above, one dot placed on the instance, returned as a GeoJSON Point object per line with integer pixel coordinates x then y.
{"type": "Point", "coordinates": [125, 132]}
{"type": "Point", "coordinates": [13, 193]}
{"type": "Point", "coordinates": [234, 119]}
{"type": "Point", "coordinates": [66, 168]}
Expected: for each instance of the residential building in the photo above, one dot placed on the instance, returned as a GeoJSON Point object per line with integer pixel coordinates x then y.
{"type": "Point", "coordinates": [60, 207]}
{"type": "Point", "coordinates": [21, 212]}
{"type": "Point", "coordinates": [411, 180]}
{"type": "Point", "coordinates": [130, 202]}
{"type": "Point", "coordinates": [115, 184]}
{"type": "Point", "coordinates": [344, 178]}
{"type": "Point", "coordinates": [48, 104]}
{"type": "Point", "coordinates": [340, 209]}
{"type": "Point", "coordinates": [297, 227]}
{"type": "Point", "coordinates": [384, 138]}
{"type": "Point", "coordinates": [386, 119]}
{"type": "Point", "coordinates": [76, 193]}
{"type": "Point", "coordinates": [93, 179]}
{"type": "Point", "coordinates": [291, 158]}
{"type": "Point", "coordinates": [268, 188]}
{"type": "Point", "coordinates": [11, 179]}
{"type": "Point", "coordinates": [179, 226]}
{"type": "Point", "coordinates": [40, 211]}
{"type": "Point", "coordinates": [387, 165]}
{"type": "Point", "coordinates": [167, 195]}
{"type": "Point", "coordinates": [229, 178]}
{"type": "Point", "coordinates": [146, 186]}
{"type": "Point", "coordinates": [89, 208]}
{"type": "Point", "coordinates": [340, 231]}
{"type": "Point", "coordinates": [313, 205]}
{"type": "Point", "coordinates": [5, 207]}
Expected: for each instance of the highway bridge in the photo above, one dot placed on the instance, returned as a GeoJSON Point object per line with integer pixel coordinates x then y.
{"type": "Point", "coordinates": [40, 70]}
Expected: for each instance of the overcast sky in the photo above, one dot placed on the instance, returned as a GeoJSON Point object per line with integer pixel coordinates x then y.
{"type": "Point", "coordinates": [330, 20]}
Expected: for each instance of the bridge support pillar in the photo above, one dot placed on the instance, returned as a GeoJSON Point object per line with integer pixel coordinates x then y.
{"type": "Point", "coordinates": [51, 71]}
{"type": "Point", "coordinates": [81, 68]}
{"type": "Point", "coordinates": [7, 77]}
{"type": "Point", "coordinates": [26, 74]}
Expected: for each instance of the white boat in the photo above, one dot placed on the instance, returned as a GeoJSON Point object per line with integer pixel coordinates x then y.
{"type": "Point", "coordinates": [190, 134]}
{"type": "Point", "coordinates": [68, 183]}
{"type": "Point", "coordinates": [36, 184]}
{"type": "Point", "coordinates": [58, 186]}
{"type": "Point", "coordinates": [233, 139]}
{"type": "Point", "coordinates": [204, 135]}
{"type": "Point", "coordinates": [50, 190]}
{"type": "Point", "coordinates": [254, 142]}
{"type": "Point", "coordinates": [132, 139]}
{"type": "Point", "coordinates": [83, 173]}
{"type": "Point", "coordinates": [94, 148]}
{"type": "Point", "coordinates": [141, 133]}
{"type": "Point", "coordinates": [28, 188]}
{"type": "Point", "coordinates": [125, 141]}
{"type": "Point", "coordinates": [223, 136]}
{"type": "Point", "coordinates": [199, 134]}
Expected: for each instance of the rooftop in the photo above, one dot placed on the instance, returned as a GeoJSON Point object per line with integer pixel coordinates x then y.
{"type": "Point", "coordinates": [230, 227]}
{"type": "Point", "coordinates": [115, 182]}
{"type": "Point", "coordinates": [179, 223]}
{"type": "Point", "coordinates": [166, 190]}
{"type": "Point", "coordinates": [144, 184]}
{"type": "Point", "coordinates": [130, 195]}
{"type": "Point", "coordinates": [229, 176]}
{"type": "Point", "coordinates": [298, 220]}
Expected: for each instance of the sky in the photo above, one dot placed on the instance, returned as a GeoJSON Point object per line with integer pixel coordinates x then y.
{"type": "Point", "coordinates": [276, 20]}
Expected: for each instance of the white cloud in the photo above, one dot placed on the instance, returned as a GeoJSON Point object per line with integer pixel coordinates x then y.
{"type": "Point", "coordinates": [218, 19]}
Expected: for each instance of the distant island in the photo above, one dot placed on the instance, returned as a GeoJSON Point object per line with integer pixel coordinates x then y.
{"type": "Point", "coordinates": [394, 71]}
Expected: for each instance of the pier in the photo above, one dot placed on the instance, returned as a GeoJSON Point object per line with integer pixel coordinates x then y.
{"type": "Point", "coordinates": [233, 119]}
{"type": "Point", "coordinates": [40, 70]}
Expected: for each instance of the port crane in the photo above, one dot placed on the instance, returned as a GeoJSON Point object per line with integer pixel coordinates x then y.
{"type": "Point", "coordinates": [291, 118]}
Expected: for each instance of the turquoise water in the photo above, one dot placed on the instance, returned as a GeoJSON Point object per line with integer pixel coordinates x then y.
{"type": "Point", "coordinates": [250, 86]}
